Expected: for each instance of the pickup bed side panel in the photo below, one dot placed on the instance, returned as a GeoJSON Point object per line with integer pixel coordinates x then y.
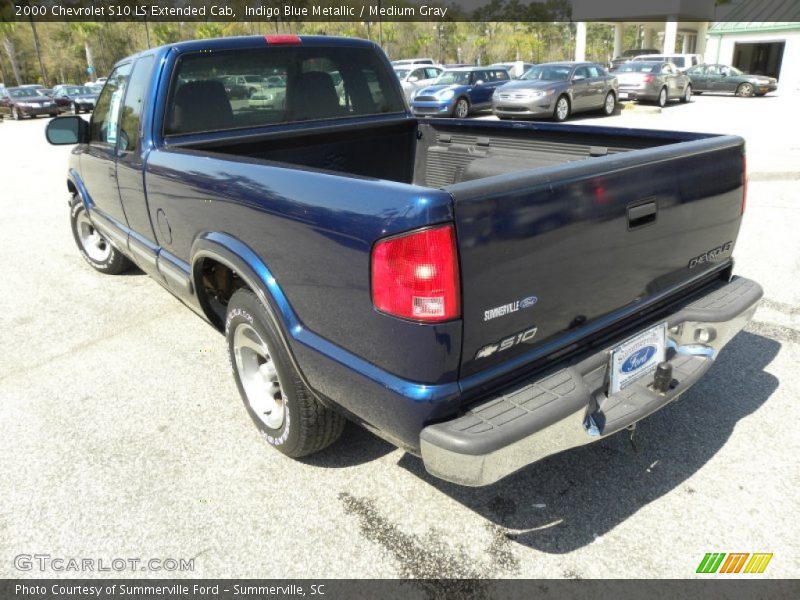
{"type": "Point", "coordinates": [574, 243]}
{"type": "Point", "coordinates": [314, 231]}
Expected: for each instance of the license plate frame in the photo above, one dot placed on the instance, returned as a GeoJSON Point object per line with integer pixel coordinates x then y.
{"type": "Point", "coordinates": [623, 95]}
{"type": "Point", "coordinates": [636, 357]}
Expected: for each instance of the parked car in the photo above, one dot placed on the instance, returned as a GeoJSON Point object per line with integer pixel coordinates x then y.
{"type": "Point", "coordinates": [557, 90]}
{"type": "Point", "coordinates": [75, 98]}
{"type": "Point", "coordinates": [654, 81]}
{"type": "Point", "coordinates": [459, 92]}
{"type": "Point", "coordinates": [21, 102]}
{"type": "Point", "coordinates": [628, 55]}
{"type": "Point", "coordinates": [727, 79]}
{"type": "Point", "coordinates": [413, 61]}
{"type": "Point", "coordinates": [682, 61]}
{"type": "Point", "coordinates": [483, 294]}
{"type": "Point", "coordinates": [515, 68]}
{"type": "Point", "coordinates": [271, 95]}
{"type": "Point", "coordinates": [413, 77]}
{"type": "Point", "coordinates": [235, 87]}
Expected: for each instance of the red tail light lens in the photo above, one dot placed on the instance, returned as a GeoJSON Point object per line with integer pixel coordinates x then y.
{"type": "Point", "coordinates": [744, 183]}
{"type": "Point", "coordinates": [281, 39]}
{"type": "Point", "coordinates": [415, 276]}
{"type": "Point", "coordinates": [648, 78]}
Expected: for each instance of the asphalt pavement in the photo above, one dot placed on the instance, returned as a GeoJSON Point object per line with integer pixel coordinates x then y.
{"type": "Point", "coordinates": [122, 434]}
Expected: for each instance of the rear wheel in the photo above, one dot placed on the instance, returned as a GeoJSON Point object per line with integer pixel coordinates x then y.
{"type": "Point", "coordinates": [662, 97]}
{"type": "Point", "coordinates": [609, 104]}
{"type": "Point", "coordinates": [687, 94]}
{"type": "Point", "coordinates": [461, 109]}
{"type": "Point", "coordinates": [745, 90]}
{"type": "Point", "coordinates": [288, 415]}
{"type": "Point", "coordinates": [561, 111]}
{"type": "Point", "coordinates": [95, 248]}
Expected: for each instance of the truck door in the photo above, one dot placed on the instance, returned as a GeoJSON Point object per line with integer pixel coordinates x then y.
{"type": "Point", "coordinates": [98, 162]}
{"type": "Point", "coordinates": [131, 152]}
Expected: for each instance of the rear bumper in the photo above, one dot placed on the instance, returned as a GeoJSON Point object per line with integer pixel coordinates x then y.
{"type": "Point", "coordinates": [570, 407]}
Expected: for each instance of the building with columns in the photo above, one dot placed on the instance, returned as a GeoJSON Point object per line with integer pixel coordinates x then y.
{"type": "Point", "coordinates": [760, 37]}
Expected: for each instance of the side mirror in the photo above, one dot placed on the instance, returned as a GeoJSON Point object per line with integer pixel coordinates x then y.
{"type": "Point", "coordinates": [413, 79]}
{"type": "Point", "coordinates": [479, 82]}
{"type": "Point", "coordinates": [63, 131]}
{"type": "Point", "coordinates": [578, 78]}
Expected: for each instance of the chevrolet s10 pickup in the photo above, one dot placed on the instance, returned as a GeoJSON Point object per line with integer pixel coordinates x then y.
{"type": "Point", "coordinates": [482, 294]}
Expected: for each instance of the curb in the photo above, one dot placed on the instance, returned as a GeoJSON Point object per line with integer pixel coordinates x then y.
{"type": "Point", "coordinates": [774, 175]}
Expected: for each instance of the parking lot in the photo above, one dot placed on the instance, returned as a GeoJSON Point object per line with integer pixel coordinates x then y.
{"type": "Point", "coordinates": [123, 434]}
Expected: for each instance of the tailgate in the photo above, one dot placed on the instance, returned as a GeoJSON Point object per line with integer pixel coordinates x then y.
{"type": "Point", "coordinates": [557, 250]}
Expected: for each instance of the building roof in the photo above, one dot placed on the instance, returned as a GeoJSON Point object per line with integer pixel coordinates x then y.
{"type": "Point", "coordinates": [764, 15]}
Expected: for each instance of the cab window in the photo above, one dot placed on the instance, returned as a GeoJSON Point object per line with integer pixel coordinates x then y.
{"type": "Point", "coordinates": [105, 118]}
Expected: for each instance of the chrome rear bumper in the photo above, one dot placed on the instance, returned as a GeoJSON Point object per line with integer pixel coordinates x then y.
{"type": "Point", "coordinates": [570, 407]}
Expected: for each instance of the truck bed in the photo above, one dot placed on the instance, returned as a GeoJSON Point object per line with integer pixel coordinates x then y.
{"type": "Point", "coordinates": [544, 213]}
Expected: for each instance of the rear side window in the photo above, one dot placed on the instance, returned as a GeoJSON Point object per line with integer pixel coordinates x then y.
{"type": "Point", "coordinates": [303, 83]}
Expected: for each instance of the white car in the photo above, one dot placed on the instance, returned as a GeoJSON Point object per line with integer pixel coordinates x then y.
{"type": "Point", "coordinates": [413, 61]}
{"type": "Point", "coordinates": [415, 76]}
{"type": "Point", "coordinates": [682, 61]}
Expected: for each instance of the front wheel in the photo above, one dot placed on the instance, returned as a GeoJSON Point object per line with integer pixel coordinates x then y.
{"type": "Point", "coordinates": [687, 94]}
{"type": "Point", "coordinates": [662, 97]}
{"type": "Point", "coordinates": [609, 104]}
{"type": "Point", "coordinates": [461, 109]}
{"type": "Point", "coordinates": [285, 411]}
{"type": "Point", "coordinates": [95, 248]}
{"type": "Point", "coordinates": [745, 90]}
{"type": "Point", "coordinates": [561, 111]}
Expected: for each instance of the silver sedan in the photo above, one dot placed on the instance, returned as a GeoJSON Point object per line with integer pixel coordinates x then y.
{"type": "Point", "coordinates": [654, 81]}
{"type": "Point", "coordinates": [557, 90]}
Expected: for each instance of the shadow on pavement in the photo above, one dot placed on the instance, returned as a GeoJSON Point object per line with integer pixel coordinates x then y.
{"type": "Point", "coordinates": [565, 501]}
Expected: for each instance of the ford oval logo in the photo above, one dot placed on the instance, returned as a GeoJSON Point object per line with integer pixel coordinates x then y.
{"type": "Point", "coordinates": [528, 302]}
{"type": "Point", "coordinates": [638, 359]}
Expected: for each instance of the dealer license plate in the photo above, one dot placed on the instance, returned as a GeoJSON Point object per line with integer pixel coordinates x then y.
{"type": "Point", "coordinates": [637, 357]}
{"type": "Point", "coordinates": [623, 95]}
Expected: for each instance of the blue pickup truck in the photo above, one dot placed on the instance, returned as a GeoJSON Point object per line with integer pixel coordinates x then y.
{"type": "Point", "coordinates": [482, 294]}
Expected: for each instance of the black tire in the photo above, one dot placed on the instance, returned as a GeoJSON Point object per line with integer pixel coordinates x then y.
{"type": "Point", "coordinates": [663, 97]}
{"type": "Point", "coordinates": [110, 261]}
{"type": "Point", "coordinates": [606, 103]}
{"type": "Point", "coordinates": [55, 114]}
{"type": "Point", "coordinates": [461, 108]}
{"type": "Point", "coordinates": [561, 116]}
{"type": "Point", "coordinates": [307, 426]}
{"type": "Point", "coordinates": [687, 94]}
{"type": "Point", "coordinates": [745, 90]}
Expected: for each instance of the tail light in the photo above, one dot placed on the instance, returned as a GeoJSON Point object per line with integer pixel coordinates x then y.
{"type": "Point", "coordinates": [282, 39]}
{"type": "Point", "coordinates": [744, 183]}
{"type": "Point", "coordinates": [648, 78]}
{"type": "Point", "coordinates": [415, 276]}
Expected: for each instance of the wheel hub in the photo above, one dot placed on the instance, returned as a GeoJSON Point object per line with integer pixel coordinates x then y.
{"type": "Point", "coordinates": [94, 244]}
{"type": "Point", "coordinates": [259, 376]}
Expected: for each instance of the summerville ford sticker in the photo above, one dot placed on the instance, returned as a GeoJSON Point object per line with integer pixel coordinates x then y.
{"type": "Point", "coordinates": [511, 307]}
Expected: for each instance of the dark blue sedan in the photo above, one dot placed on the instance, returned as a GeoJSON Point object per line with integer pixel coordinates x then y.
{"type": "Point", "coordinates": [459, 92]}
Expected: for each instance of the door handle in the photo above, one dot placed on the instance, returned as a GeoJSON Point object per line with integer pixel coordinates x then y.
{"type": "Point", "coordinates": [642, 215]}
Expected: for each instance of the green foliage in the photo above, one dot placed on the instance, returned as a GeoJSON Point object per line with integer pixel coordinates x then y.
{"type": "Point", "coordinates": [64, 45]}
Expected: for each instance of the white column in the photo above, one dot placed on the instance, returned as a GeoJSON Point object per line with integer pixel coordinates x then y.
{"type": "Point", "coordinates": [580, 41]}
{"type": "Point", "coordinates": [619, 30]}
{"type": "Point", "coordinates": [685, 44]}
{"type": "Point", "coordinates": [700, 44]}
{"type": "Point", "coordinates": [670, 35]}
{"type": "Point", "coordinates": [647, 38]}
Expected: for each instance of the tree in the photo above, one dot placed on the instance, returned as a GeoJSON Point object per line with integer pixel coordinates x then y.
{"type": "Point", "coordinates": [38, 52]}
{"type": "Point", "coordinates": [7, 31]}
{"type": "Point", "coordinates": [85, 32]}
